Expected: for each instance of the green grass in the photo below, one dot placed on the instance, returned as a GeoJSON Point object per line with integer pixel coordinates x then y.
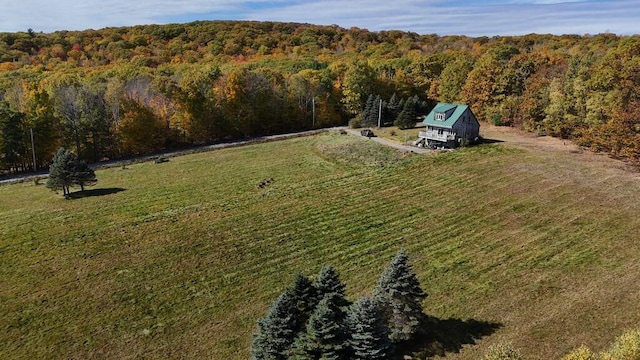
{"type": "Point", "coordinates": [183, 262]}
{"type": "Point", "coordinates": [400, 136]}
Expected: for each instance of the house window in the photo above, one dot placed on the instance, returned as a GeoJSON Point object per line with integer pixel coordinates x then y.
{"type": "Point", "coordinates": [440, 131]}
{"type": "Point", "coordinates": [440, 116]}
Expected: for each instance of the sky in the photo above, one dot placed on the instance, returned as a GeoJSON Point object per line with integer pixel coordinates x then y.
{"type": "Point", "coordinates": [442, 17]}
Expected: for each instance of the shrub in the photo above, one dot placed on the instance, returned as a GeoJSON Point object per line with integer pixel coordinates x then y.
{"type": "Point", "coordinates": [581, 353]}
{"type": "Point", "coordinates": [625, 347]}
{"type": "Point", "coordinates": [502, 351]}
{"type": "Point", "coordinates": [356, 122]}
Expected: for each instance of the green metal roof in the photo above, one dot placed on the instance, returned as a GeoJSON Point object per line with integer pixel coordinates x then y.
{"type": "Point", "coordinates": [458, 110]}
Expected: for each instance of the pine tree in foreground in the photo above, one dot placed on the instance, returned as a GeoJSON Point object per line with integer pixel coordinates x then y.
{"type": "Point", "coordinates": [328, 283]}
{"type": "Point", "coordinates": [325, 336]}
{"type": "Point", "coordinates": [305, 299]}
{"type": "Point", "coordinates": [65, 171]}
{"type": "Point", "coordinates": [62, 171]}
{"type": "Point", "coordinates": [399, 293]}
{"type": "Point", "coordinates": [368, 332]}
{"type": "Point", "coordinates": [276, 331]}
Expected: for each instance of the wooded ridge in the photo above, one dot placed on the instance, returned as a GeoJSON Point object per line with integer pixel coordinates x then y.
{"type": "Point", "coordinates": [118, 92]}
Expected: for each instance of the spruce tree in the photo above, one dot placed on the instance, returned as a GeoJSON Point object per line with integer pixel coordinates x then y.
{"type": "Point", "coordinates": [328, 283]}
{"type": "Point", "coordinates": [368, 332]}
{"type": "Point", "coordinates": [276, 331]}
{"type": "Point", "coordinates": [399, 293]}
{"type": "Point", "coordinates": [325, 334]}
{"type": "Point", "coordinates": [392, 109]}
{"type": "Point", "coordinates": [305, 299]}
{"type": "Point", "coordinates": [407, 117]}
{"type": "Point", "coordinates": [369, 114]}
{"type": "Point", "coordinates": [62, 171]}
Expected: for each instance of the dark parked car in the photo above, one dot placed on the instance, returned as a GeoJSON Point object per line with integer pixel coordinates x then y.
{"type": "Point", "coordinates": [367, 132]}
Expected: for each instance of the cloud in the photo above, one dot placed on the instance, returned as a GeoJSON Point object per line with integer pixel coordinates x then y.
{"type": "Point", "coordinates": [474, 18]}
{"type": "Point", "coordinates": [468, 17]}
{"type": "Point", "coordinates": [77, 15]}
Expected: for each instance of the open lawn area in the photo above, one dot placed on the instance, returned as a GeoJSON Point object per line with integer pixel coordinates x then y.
{"type": "Point", "coordinates": [179, 259]}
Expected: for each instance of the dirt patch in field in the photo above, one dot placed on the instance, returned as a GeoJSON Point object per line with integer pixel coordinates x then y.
{"type": "Point", "coordinates": [554, 147]}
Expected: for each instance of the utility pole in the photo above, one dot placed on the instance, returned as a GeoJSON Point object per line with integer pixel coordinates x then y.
{"type": "Point", "coordinates": [33, 151]}
{"type": "Point", "coordinates": [380, 114]}
{"type": "Point", "coordinates": [313, 107]}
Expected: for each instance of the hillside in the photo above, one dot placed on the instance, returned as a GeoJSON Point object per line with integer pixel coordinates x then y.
{"type": "Point", "coordinates": [179, 260]}
{"type": "Point", "coordinates": [120, 92]}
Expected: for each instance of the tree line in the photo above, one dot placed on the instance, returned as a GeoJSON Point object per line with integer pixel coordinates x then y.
{"type": "Point", "coordinates": [314, 320]}
{"type": "Point", "coordinates": [119, 92]}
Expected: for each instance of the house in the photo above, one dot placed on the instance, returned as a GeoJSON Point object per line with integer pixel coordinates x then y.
{"type": "Point", "coordinates": [449, 125]}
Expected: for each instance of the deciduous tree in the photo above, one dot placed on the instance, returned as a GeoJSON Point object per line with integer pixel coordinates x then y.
{"type": "Point", "coordinates": [12, 137]}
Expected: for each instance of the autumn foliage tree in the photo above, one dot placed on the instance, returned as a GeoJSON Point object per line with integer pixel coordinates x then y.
{"type": "Point", "coordinates": [12, 132]}
{"type": "Point", "coordinates": [206, 82]}
{"type": "Point", "coordinates": [139, 131]}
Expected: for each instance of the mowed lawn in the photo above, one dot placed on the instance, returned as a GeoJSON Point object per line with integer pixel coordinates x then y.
{"type": "Point", "coordinates": [178, 260]}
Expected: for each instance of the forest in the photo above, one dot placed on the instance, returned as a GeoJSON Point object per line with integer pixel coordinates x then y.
{"type": "Point", "coordinates": [120, 92]}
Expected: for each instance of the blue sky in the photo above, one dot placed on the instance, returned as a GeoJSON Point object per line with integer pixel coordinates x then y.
{"type": "Point", "coordinates": [471, 17]}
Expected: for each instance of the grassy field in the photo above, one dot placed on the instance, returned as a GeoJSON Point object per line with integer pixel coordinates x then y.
{"type": "Point", "coordinates": [179, 260]}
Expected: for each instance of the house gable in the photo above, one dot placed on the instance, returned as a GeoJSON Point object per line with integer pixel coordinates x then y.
{"type": "Point", "coordinates": [445, 115]}
{"type": "Point", "coordinates": [449, 125]}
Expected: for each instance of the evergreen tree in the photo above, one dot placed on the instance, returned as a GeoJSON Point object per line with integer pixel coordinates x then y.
{"type": "Point", "coordinates": [369, 114]}
{"type": "Point", "coordinates": [62, 171]}
{"type": "Point", "coordinates": [407, 117]}
{"type": "Point", "coordinates": [304, 297]}
{"type": "Point", "coordinates": [83, 175]}
{"type": "Point", "coordinates": [400, 295]}
{"type": "Point", "coordinates": [369, 335]}
{"type": "Point", "coordinates": [392, 109]}
{"type": "Point", "coordinates": [65, 171]}
{"type": "Point", "coordinates": [276, 331]}
{"type": "Point", "coordinates": [325, 336]}
{"type": "Point", "coordinates": [328, 283]}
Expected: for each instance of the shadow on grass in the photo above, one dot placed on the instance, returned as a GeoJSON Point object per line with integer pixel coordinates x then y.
{"type": "Point", "coordinates": [94, 192]}
{"type": "Point", "coordinates": [441, 336]}
{"type": "Point", "coordinates": [490, 141]}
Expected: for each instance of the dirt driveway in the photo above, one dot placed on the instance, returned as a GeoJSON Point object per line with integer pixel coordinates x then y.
{"type": "Point", "coordinates": [390, 143]}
